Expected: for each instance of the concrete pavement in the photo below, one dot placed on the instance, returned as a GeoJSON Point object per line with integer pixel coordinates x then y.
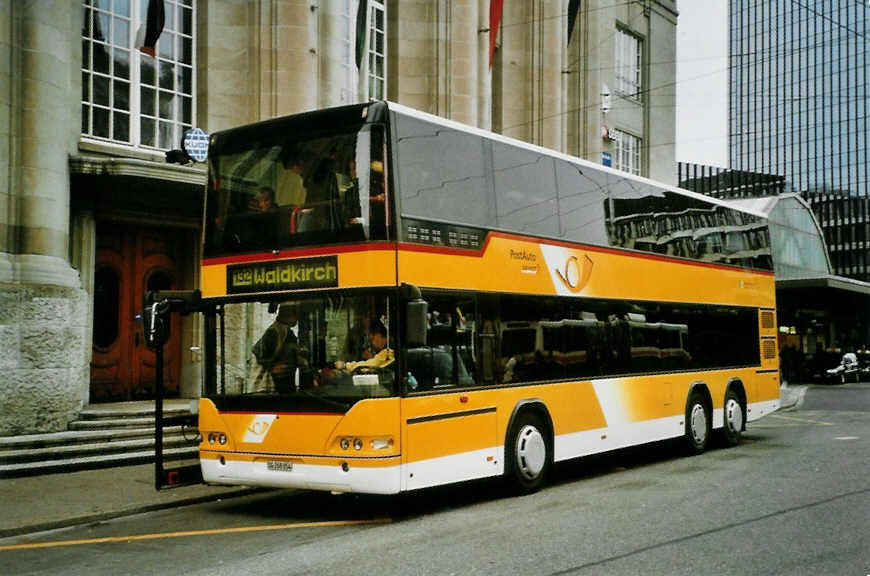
{"type": "Point", "coordinates": [38, 503]}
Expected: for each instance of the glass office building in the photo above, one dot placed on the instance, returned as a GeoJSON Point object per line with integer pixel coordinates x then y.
{"type": "Point", "coordinates": [799, 108]}
{"type": "Point", "coordinates": [799, 99]}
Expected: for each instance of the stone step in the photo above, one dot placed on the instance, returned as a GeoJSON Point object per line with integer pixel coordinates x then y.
{"type": "Point", "coordinates": [79, 437]}
{"type": "Point", "coordinates": [133, 410]}
{"type": "Point", "coordinates": [68, 451]}
{"type": "Point", "coordinates": [112, 423]}
{"type": "Point", "coordinates": [94, 461]}
{"type": "Point", "coordinates": [105, 435]}
{"type": "Point", "coordinates": [112, 411]}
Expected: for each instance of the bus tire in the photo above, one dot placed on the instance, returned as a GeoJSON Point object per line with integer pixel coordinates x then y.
{"type": "Point", "coordinates": [734, 419]}
{"type": "Point", "coordinates": [698, 424]}
{"type": "Point", "coordinates": [528, 453]}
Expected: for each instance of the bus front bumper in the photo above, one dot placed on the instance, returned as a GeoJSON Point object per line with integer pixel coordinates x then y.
{"type": "Point", "coordinates": [364, 476]}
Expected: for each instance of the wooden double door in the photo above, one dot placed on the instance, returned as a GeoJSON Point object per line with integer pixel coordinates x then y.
{"type": "Point", "coordinates": [129, 262]}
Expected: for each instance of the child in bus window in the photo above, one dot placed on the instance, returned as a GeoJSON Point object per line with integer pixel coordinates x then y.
{"type": "Point", "coordinates": [264, 201]}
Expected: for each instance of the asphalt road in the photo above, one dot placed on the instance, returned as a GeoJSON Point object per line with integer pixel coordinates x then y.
{"type": "Point", "coordinates": [793, 498]}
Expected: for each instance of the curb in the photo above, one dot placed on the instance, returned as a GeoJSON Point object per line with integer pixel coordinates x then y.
{"type": "Point", "coordinates": [133, 510]}
{"type": "Point", "coordinates": [791, 397]}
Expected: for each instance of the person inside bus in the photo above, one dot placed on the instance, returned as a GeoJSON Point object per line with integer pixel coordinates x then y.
{"type": "Point", "coordinates": [321, 199]}
{"type": "Point", "coordinates": [291, 185]}
{"type": "Point", "coordinates": [377, 202]}
{"type": "Point", "coordinates": [357, 342]}
{"type": "Point", "coordinates": [382, 355]}
{"type": "Point", "coordinates": [264, 201]}
{"type": "Point", "coordinates": [279, 351]}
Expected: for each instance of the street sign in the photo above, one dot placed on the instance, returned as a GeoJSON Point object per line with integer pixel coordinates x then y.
{"type": "Point", "coordinates": [195, 143]}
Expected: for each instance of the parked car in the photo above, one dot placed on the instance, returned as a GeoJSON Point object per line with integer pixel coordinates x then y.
{"type": "Point", "coordinates": [848, 369]}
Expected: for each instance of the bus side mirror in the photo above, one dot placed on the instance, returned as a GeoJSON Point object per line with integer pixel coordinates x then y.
{"type": "Point", "coordinates": [415, 316]}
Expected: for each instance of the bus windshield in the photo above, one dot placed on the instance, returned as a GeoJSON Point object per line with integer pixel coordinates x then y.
{"type": "Point", "coordinates": [336, 347]}
{"type": "Point", "coordinates": [292, 191]}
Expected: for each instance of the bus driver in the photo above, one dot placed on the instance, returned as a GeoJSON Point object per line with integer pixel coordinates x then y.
{"type": "Point", "coordinates": [382, 355]}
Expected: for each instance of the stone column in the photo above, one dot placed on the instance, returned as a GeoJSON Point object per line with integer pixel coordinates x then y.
{"type": "Point", "coordinates": [227, 66]}
{"type": "Point", "coordinates": [413, 57]}
{"type": "Point", "coordinates": [42, 139]}
{"type": "Point", "coordinates": [43, 310]}
{"type": "Point", "coordinates": [484, 73]}
{"type": "Point", "coordinates": [463, 84]}
{"type": "Point", "coordinates": [517, 24]}
{"type": "Point", "coordinates": [6, 158]}
{"type": "Point", "coordinates": [294, 57]}
{"type": "Point", "coordinates": [549, 77]}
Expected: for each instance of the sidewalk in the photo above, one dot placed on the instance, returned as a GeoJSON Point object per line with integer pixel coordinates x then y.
{"type": "Point", "coordinates": [38, 503]}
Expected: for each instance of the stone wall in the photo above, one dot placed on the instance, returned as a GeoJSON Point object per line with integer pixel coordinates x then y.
{"type": "Point", "coordinates": [44, 378]}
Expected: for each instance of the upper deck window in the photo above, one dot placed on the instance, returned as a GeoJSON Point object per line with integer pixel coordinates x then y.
{"type": "Point", "coordinates": [444, 173]}
{"type": "Point", "coordinates": [463, 179]}
{"type": "Point", "coordinates": [289, 192]}
{"type": "Point", "coordinates": [128, 96]}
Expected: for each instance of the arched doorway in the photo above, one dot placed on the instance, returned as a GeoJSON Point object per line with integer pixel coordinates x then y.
{"type": "Point", "coordinates": [130, 261]}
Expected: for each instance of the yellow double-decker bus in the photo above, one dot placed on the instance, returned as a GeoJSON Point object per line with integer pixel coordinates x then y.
{"type": "Point", "coordinates": [395, 301]}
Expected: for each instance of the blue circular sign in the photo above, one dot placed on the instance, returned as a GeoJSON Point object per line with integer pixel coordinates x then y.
{"type": "Point", "coordinates": [196, 144]}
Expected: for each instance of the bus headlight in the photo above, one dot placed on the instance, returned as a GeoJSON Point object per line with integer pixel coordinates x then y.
{"type": "Point", "coordinates": [212, 437]}
{"type": "Point", "coordinates": [344, 443]}
{"type": "Point", "coordinates": [357, 444]}
{"type": "Point", "coordinates": [222, 439]}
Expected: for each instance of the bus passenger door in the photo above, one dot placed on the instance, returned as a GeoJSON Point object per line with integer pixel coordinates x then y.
{"type": "Point", "coordinates": [449, 427]}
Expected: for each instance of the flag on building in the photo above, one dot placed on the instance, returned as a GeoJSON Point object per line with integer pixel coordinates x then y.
{"type": "Point", "coordinates": [361, 29]}
{"type": "Point", "coordinates": [573, 9]}
{"type": "Point", "coordinates": [150, 31]}
{"type": "Point", "coordinates": [495, 10]}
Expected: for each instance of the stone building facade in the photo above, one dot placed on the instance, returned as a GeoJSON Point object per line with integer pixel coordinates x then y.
{"type": "Point", "coordinates": [92, 215]}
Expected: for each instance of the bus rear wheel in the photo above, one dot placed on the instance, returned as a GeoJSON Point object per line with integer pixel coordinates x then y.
{"type": "Point", "coordinates": [734, 419]}
{"type": "Point", "coordinates": [698, 425]}
{"type": "Point", "coordinates": [528, 453]}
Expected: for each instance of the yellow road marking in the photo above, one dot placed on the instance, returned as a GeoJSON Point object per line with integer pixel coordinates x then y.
{"type": "Point", "coordinates": [159, 535]}
{"type": "Point", "coordinates": [805, 420]}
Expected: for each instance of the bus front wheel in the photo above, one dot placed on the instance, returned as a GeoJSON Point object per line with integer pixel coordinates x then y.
{"type": "Point", "coordinates": [529, 453]}
{"type": "Point", "coordinates": [698, 425]}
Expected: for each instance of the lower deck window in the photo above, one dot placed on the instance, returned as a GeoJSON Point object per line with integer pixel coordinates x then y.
{"type": "Point", "coordinates": [495, 340]}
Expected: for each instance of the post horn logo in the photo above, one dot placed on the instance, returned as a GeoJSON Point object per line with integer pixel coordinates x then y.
{"type": "Point", "coordinates": [259, 425]}
{"type": "Point", "coordinates": [576, 274]}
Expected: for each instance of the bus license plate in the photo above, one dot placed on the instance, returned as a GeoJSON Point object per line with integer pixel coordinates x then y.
{"type": "Point", "coordinates": [279, 466]}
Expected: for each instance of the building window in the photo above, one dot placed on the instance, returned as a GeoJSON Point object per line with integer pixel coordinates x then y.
{"type": "Point", "coordinates": [128, 96]}
{"type": "Point", "coordinates": [377, 51]}
{"type": "Point", "coordinates": [627, 64]}
{"type": "Point", "coordinates": [627, 152]}
{"type": "Point", "coordinates": [348, 93]}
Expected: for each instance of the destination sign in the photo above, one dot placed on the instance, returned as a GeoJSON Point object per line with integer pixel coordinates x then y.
{"type": "Point", "coordinates": [283, 275]}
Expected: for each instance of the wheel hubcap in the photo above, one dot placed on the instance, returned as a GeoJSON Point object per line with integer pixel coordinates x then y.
{"type": "Point", "coordinates": [698, 424]}
{"type": "Point", "coordinates": [531, 452]}
{"type": "Point", "coordinates": [733, 415]}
